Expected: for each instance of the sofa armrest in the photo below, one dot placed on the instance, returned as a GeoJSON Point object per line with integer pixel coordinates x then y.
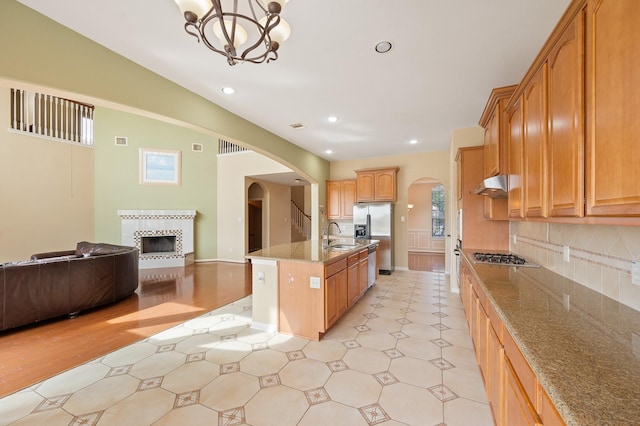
{"type": "Point", "coordinates": [51, 254]}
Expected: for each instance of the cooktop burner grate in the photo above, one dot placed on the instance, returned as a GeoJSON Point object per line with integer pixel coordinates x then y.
{"type": "Point", "coordinates": [501, 259]}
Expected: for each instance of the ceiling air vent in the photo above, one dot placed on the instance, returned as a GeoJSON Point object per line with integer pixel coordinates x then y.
{"type": "Point", "coordinates": [197, 147]}
{"type": "Point", "coordinates": [121, 141]}
{"type": "Point", "coordinates": [297, 126]}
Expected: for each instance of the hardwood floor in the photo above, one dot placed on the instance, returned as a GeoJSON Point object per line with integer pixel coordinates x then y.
{"type": "Point", "coordinates": [433, 262]}
{"type": "Point", "coordinates": [165, 297]}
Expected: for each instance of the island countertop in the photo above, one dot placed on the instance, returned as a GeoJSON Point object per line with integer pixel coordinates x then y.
{"type": "Point", "coordinates": [583, 346]}
{"type": "Point", "coordinates": [310, 251]}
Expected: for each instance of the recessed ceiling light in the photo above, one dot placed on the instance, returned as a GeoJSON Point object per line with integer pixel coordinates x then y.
{"type": "Point", "coordinates": [384, 46]}
{"type": "Point", "coordinates": [228, 90]}
{"type": "Point", "coordinates": [328, 151]}
{"type": "Point", "coordinates": [332, 119]}
{"type": "Point", "coordinates": [413, 141]}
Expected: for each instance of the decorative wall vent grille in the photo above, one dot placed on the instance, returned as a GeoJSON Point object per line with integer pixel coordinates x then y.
{"type": "Point", "coordinates": [51, 116]}
{"type": "Point", "coordinates": [225, 147]}
{"type": "Point", "coordinates": [121, 141]}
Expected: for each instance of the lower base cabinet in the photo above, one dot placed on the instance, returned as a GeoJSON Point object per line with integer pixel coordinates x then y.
{"type": "Point", "coordinates": [515, 396]}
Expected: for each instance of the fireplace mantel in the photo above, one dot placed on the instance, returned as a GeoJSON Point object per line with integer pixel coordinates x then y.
{"type": "Point", "coordinates": [136, 225]}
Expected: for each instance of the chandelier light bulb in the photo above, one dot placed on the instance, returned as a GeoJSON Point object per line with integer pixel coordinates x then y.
{"type": "Point", "coordinates": [240, 34]}
{"type": "Point", "coordinates": [280, 33]}
{"type": "Point", "coordinates": [199, 7]}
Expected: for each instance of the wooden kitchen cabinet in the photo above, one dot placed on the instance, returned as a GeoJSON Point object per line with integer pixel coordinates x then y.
{"type": "Point", "coordinates": [514, 393]}
{"type": "Point", "coordinates": [517, 408]}
{"type": "Point", "coordinates": [496, 147]}
{"type": "Point", "coordinates": [341, 196]}
{"type": "Point", "coordinates": [477, 231]}
{"type": "Point", "coordinates": [373, 185]}
{"type": "Point", "coordinates": [566, 122]}
{"type": "Point", "coordinates": [516, 160]}
{"type": "Point", "coordinates": [613, 102]}
{"type": "Point", "coordinates": [535, 144]}
{"type": "Point", "coordinates": [352, 279]}
{"type": "Point", "coordinates": [496, 127]}
{"type": "Point", "coordinates": [363, 271]}
{"type": "Point", "coordinates": [335, 303]}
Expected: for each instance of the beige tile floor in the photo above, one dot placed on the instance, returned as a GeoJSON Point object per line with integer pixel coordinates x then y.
{"type": "Point", "coordinates": [400, 356]}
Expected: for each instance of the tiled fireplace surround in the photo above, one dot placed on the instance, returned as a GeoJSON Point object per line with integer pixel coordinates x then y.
{"type": "Point", "coordinates": [138, 224]}
{"type": "Point", "coordinates": [600, 256]}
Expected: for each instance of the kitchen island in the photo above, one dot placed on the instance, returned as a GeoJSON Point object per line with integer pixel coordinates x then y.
{"type": "Point", "coordinates": [302, 288]}
{"type": "Point", "coordinates": [551, 350]}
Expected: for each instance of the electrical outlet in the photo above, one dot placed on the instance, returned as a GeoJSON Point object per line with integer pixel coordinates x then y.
{"type": "Point", "coordinates": [260, 276]}
{"type": "Point", "coordinates": [515, 239]}
{"type": "Point", "coordinates": [314, 282]}
{"type": "Point", "coordinates": [635, 272]}
{"type": "Point", "coordinates": [566, 253]}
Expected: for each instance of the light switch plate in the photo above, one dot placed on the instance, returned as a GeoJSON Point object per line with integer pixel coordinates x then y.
{"type": "Point", "coordinates": [314, 282]}
{"type": "Point", "coordinates": [635, 272]}
{"type": "Point", "coordinates": [565, 253]}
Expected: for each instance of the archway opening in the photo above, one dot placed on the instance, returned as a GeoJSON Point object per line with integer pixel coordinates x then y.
{"type": "Point", "coordinates": [426, 214]}
{"type": "Point", "coordinates": [255, 196]}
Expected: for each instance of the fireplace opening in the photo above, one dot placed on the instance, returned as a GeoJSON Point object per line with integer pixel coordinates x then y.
{"type": "Point", "coordinates": [161, 244]}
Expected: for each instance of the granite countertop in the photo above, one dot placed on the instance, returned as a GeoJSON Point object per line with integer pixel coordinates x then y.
{"type": "Point", "coordinates": [583, 346]}
{"type": "Point", "coordinates": [310, 251]}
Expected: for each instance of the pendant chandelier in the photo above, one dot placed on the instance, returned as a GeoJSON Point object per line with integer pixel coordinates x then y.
{"type": "Point", "coordinates": [226, 25]}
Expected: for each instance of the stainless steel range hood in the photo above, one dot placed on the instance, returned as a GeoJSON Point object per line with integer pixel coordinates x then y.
{"type": "Point", "coordinates": [494, 187]}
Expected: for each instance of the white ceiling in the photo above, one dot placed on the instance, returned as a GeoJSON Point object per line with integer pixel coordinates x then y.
{"type": "Point", "coordinates": [447, 57]}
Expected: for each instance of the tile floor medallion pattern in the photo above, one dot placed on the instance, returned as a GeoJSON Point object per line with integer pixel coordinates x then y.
{"type": "Point", "coordinates": [401, 356]}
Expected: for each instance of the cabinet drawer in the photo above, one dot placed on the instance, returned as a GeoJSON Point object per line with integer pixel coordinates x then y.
{"type": "Point", "coordinates": [364, 254]}
{"type": "Point", "coordinates": [335, 267]}
{"type": "Point", "coordinates": [352, 259]}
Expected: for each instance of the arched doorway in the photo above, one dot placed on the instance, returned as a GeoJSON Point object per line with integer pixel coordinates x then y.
{"type": "Point", "coordinates": [426, 238]}
{"type": "Point", "coordinates": [255, 196]}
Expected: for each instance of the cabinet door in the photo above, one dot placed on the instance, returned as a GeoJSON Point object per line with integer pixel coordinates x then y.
{"type": "Point", "coordinates": [330, 300]}
{"type": "Point", "coordinates": [343, 298]}
{"type": "Point", "coordinates": [495, 377]}
{"type": "Point", "coordinates": [334, 200]}
{"type": "Point", "coordinates": [352, 283]}
{"type": "Point", "coordinates": [482, 324]}
{"type": "Point", "coordinates": [613, 102]}
{"type": "Point", "coordinates": [348, 199]}
{"type": "Point", "coordinates": [566, 126]}
{"type": "Point", "coordinates": [365, 187]}
{"type": "Point", "coordinates": [518, 409]}
{"type": "Point", "coordinates": [363, 276]}
{"type": "Point", "coordinates": [385, 185]}
{"type": "Point", "coordinates": [516, 160]}
{"type": "Point", "coordinates": [492, 144]}
{"type": "Point", "coordinates": [535, 140]}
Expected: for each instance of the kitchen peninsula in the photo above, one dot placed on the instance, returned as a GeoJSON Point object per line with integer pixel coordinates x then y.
{"type": "Point", "coordinates": [302, 288]}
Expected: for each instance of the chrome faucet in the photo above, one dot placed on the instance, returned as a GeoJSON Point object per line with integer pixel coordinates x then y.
{"type": "Point", "coordinates": [328, 243]}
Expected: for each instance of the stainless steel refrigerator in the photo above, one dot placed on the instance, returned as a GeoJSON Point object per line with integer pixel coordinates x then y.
{"type": "Point", "coordinates": [377, 220]}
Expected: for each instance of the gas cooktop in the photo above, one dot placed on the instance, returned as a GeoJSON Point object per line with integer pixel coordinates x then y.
{"type": "Point", "coordinates": [502, 259]}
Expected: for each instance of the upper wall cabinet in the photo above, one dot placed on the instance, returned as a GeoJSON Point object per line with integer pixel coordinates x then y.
{"type": "Point", "coordinates": [613, 105]}
{"type": "Point", "coordinates": [535, 140]}
{"type": "Point", "coordinates": [496, 148]}
{"type": "Point", "coordinates": [515, 141]}
{"type": "Point", "coordinates": [574, 116]}
{"type": "Point", "coordinates": [340, 198]}
{"type": "Point", "coordinates": [566, 121]}
{"type": "Point", "coordinates": [376, 185]}
{"type": "Point", "coordinates": [495, 132]}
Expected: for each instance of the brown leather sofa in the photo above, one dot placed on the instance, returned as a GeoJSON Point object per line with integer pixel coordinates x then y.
{"type": "Point", "coordinates": [61, 283]}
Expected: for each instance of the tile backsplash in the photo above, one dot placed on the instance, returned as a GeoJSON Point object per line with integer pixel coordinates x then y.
{"type": "Point", "coordinates": [599, 256]}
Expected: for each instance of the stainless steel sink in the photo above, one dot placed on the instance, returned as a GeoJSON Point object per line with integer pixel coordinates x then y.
{"type": "Point", "coordinates": [343, 247]}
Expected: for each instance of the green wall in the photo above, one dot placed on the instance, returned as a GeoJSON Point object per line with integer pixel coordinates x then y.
{"type": "Point", "coordinates": [117, 184]}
